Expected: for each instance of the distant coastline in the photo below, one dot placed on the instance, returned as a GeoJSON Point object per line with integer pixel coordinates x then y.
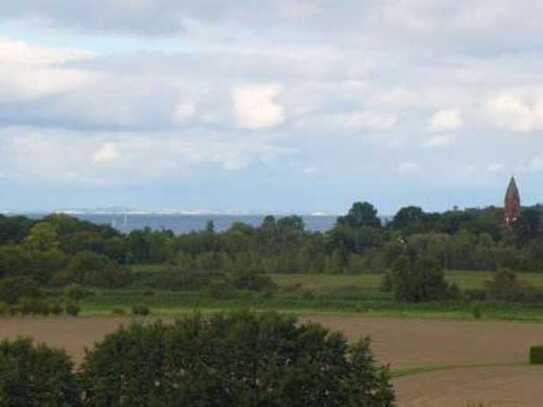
{"type": "Point", "coordinates": [180, 223]}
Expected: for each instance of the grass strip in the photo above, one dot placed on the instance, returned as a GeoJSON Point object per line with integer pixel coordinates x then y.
{"type": "Point", "coordinates": [409, 371]}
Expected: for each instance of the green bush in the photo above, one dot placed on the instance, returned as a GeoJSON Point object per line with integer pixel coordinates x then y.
{"type": "Point", "coordinates": [13, 310]}
{"type": "Point", "coordinates": [34, 306]}
{"type": "Point", "coordinates": [418, 279]}
{"type": "Point", "coordinates": [240, 359]}
{"type": "Point", "coordinates": [118, 311]}
{"type": "Point", "coordinates": [219, 289]}
{"type": "Point", "coordinates": [476, 312]}
{"type": "Point", "coordinates": [536, 355]}
{"type": "Point", "coordinates": [56, 308]}
{"type": "Point", "coordinates": [505, 286]}
{"type": "Point", "coordinates": [12, 289]}
{"type": "Point", "coordinates": [36, 376]}
{"type": "Point", "coordinates": [140, 310]}
{"type": "Point", "coordinates": [97, 270]}
{"type": "Point", "coordinates": [76, 293]}
{"type": "Point", "coordinates": [4, 309]}
{"type": "Point", "coordinates": [72, 308]}
{"type": "Point", "coordinates": [475, 294]}
{"type": "Point", "coordinates": [247, 280]}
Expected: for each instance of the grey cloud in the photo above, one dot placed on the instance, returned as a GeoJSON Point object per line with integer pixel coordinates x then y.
{"type": "Point", "coordinates": [424, 24]}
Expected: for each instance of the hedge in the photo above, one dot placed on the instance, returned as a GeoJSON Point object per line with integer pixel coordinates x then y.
{"type": "Point", "coordinates": [536, 355]}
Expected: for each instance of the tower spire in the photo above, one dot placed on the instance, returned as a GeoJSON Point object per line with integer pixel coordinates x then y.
{"type": "Point", "coordinates": [511, 204]}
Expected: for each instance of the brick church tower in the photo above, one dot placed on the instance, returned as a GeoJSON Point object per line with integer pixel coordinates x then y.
{"type": "Point", "coordinates": [512, 204]}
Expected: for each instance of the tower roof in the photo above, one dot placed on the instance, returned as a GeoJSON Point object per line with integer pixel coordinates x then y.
{"type": "Point", "coordinates": [512, 191]}
{"type": "Point", "coordinates": [512, 204]}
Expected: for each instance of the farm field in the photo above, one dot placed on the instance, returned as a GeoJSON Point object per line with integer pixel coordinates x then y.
{"type": "Point", "coordinates": [434, 361]}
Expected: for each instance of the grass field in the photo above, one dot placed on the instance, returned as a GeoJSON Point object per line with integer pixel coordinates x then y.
{"type": "Point", "coordinates": [322, 293]}
{"type": "Point", "coordinates": [324, 282]}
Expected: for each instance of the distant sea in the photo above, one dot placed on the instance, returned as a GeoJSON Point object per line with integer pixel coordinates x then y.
{"type": "Point", "coordinates": [180, 223]}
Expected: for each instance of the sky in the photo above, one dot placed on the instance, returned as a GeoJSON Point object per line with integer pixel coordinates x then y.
{"type": "Point", "coordinates": [269, 106]}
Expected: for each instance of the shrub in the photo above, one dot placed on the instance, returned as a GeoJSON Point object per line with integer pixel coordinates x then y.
{"type": "Point", "coordinates": [36, 376]}
{"type": "Point", "coordinates": [475, 294]}
{"type": "Point", "coordinates": [240, 359]}
{"type": "Point", "coordinates": [61, 279]}
{"type": "Point", "coordinates": [56, 309]}
{"type": "Point", "coordinates": [4, 308]}
{"type": "Point", "coordinates": [417, 279]}
{"type": "Point", "coordinates": [505, 286]}
{"type": "Point", "coordinates": [307, 294]}
{"type": "Point", "coordinates": [76, 293]}
{"type": "Point", "coordinates": [118, 311]}
{"type": "Point", "coordinates": [536, 355]}
{"type": "Point", "coordinates": [14, 288]}
{"type": "Point", "coordinates": [34, 306]}
{"type": "Point", "coordinates": [13, 310]}
{"type": "Point", "coordinates": [219, 289]}
{"type": "Point", "coordinates": [247, 280]}
{"type": "Point", "coordinates": [476, 312]}
{"type": "Point", "coordinates": [140, 310]}
{"type": "Point", "coordinates": [97, 270]}
{"type": "Point", "coordinates": [72, 308]}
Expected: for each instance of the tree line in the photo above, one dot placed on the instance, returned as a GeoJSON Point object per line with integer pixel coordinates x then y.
{"type": "Point", "coordinates": [59, 250]}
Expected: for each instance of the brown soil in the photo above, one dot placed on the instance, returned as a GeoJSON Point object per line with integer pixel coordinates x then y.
{"type": "Point", "coordinates": [404, 343]}
{"type": "Point", "coordinates": [491, 386]}
{"type": "Point", "coordinates": [72, 334]}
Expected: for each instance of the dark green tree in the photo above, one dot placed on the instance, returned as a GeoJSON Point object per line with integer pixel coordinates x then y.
{"type": "Point", "coordinates": [240, 359]}
{"type": "Point", "coordinates": [419, 279]}
{"type": "Point", "coordinates": [33, 375]}
{"type": "Point", "coordinates": [409, 220]}
{"type": "Point", "coordinates": [361, 214]}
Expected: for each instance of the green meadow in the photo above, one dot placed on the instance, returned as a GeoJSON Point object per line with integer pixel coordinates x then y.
{"type": "Point", "coordinates": [317, 293]}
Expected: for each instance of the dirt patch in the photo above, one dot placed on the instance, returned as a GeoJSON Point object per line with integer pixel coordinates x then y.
{"type": "Point", "coordinates": [493, 387]}
{"type": "Point", "coordinates": [72, 334]}
{"type": "Point", "coordinates": [406, 343]}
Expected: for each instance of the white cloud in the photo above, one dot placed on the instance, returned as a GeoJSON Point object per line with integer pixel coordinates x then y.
{"type": "Point", "coordinates": [444, 120]}
{"type": "Point", "coordinates": [28, 71]}
{"type": "Point", "coordinates": [255, 106]}
{"type": "Point", "coordinates": [364, 120]}
{"type": "Point", "coordinates": [106, 153]}
{"type": "Point", "coordinates": [516, 112]}
{"type": "Point", "coordinates": [183, 113]}
{"type": "Point", "coordinates": [16, 52]}
{"type": "Point", "coordinates": [533, 166]}
{"type": "Point", "coordinates": [495, 168]}
{"type": "Point", "coordinates": [441, 140]}
{"type": "Point", "coordinates": [349, 121]}
{"type": "Point", "coordinates": [57, 155]}
{"type": "Point", "coordinates": [409, 168]}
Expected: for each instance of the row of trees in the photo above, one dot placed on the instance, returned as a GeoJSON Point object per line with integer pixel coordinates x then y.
{"type": "Point", "coordinates": [59, 250]}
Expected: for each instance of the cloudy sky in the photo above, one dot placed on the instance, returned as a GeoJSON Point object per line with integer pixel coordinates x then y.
{"type": "Point", "coordinates": [269, 106]}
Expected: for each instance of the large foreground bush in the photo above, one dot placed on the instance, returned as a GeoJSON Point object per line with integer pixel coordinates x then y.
{"type": "Point", "coordinates": [36, 376]}
{"type": "Point", "coordinates": [240, 359]}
